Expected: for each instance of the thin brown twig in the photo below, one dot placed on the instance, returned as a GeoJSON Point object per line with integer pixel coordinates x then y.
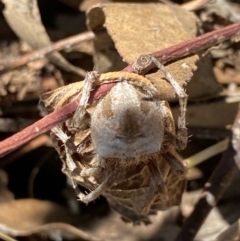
{"type": "Point", "coordinates": [169, 54]}
{"type": "Point", "coordinates": [41, 53]}
{"type": "Point", "coordinates": [47, 123]}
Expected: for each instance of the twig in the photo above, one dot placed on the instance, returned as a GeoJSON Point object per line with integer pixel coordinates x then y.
{"type": "Point", "coordinates": [194, 45]}
{"type": "Point", "coordinates": [47, 123]}
{"type": "Point", "coordinates": [41, 53]}
{"type": "Point", "coordinates": [212, 192]}
{"type": "Point", "coordinates": [164, 56]}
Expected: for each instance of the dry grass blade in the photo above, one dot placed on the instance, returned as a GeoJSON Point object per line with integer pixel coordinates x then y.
{"type": "Point", "coordinates": [206, 153]}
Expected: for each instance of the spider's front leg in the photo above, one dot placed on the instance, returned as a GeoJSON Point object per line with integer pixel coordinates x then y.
{"type": "Point", "coordinates": [69, 146]}
{"type": "Point", "coordinates": [170, 142]}
{"type": "Point", "coordinates": [143, 63]}
{"type": "Point", "coordinates": [182, 136]}
{"type": "Point", "coordinates": [77, 119]}
{"type": "Point", "coordinates": [102, 172]}
{"type": "Point", "coordinates": [69, 166]}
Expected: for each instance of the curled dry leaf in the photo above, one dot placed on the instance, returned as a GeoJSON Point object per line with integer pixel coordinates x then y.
{"type": "Point", "coordinates": [138, 178]}
{"type": "Point", "coordinates": [142, 28]}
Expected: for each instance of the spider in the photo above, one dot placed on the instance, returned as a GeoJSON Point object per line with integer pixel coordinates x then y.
{"type": "Point", "coordinates": [124, 145]}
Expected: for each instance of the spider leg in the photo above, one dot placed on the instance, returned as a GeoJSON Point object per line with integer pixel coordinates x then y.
{"type": "Point", "coordinates": [182, 136]}
{"type": "Point", "coordinates": [146, 62]}
{"type": "Point", "coordinates": [69, 165]}
{"type": "Point", "coordinates": [90, 79]}
{"type": "Point", "coordinates": [176, 164]}
{"type": "Point", "coordinates": [97, 172]}
{"type": "Point", "coordinates": [65, 139]}
{"type": "Point", "coordinates": [69, 146]}
{"type": "Point", "coordinates": [92, 171]}
{"type": "Point", "coordinates": [156, 187]}
{"type": "Point", "coordinates": [107, 183]}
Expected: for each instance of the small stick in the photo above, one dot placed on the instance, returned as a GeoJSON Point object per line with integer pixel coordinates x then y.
{"type": "Point", "coordinates": [166, 55]}
{"type": "Point", "coordinates": [41, 53]}
{"type": "Point", "coordinates": [194, 45]}
{"type": "Point", "coordinates": [48, 122]}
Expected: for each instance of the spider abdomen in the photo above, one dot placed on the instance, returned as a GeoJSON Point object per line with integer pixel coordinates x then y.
{"type": "Point", "coordinates": [125, 125]}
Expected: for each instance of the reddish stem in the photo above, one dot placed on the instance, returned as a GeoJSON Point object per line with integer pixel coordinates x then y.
{"type": "Point", "coordinates": [169, 54]}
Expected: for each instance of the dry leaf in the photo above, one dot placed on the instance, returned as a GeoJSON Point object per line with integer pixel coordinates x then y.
{"type": "Point", "coordinates": [203, 84]}
{"type": "Point", "coordinates": [142, 28]}
{"type": "Point", "coordinates": [29, 216]}
{"type": "Point", "coordinates": [24, 18]}
{"type": "Point", "coordinates": [134, 194]}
